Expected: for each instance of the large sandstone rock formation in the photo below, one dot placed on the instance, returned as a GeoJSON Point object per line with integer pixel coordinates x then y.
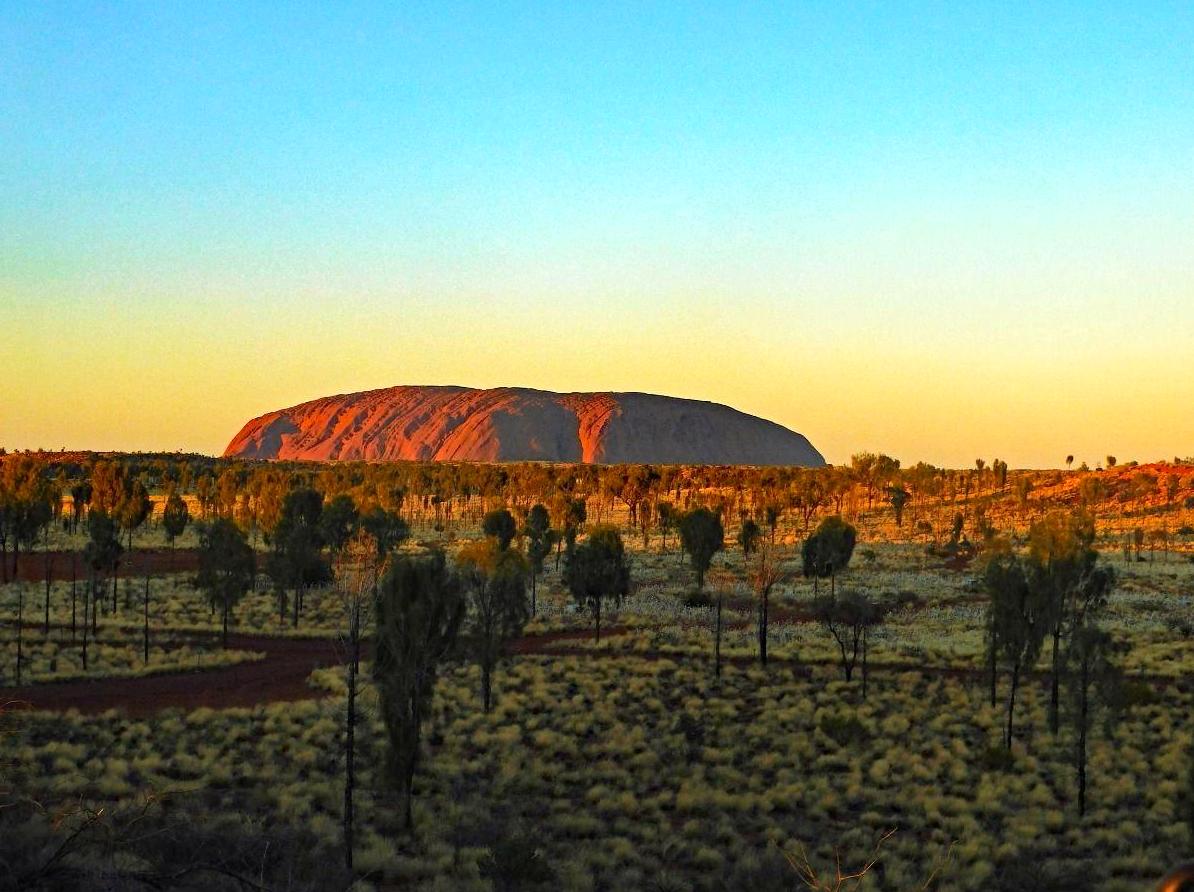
{"type": "Point", "coordinates": [519, 424]}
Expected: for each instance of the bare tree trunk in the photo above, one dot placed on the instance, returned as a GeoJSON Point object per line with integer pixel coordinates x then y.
{"type": "Point", "coordinates": [763, 605]}
{"type": "Point", "coordinates": [87, 594]}
{"type": "Point", "coordinates": [1011, 705]}
{"type": "Point", "coordinates": [350, 735]}
{"type": "Point", "coordinates": [1055, 682]}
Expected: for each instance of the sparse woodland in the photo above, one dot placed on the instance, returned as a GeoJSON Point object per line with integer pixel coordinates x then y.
{"type": "Point", "coordinates": [600, 677]}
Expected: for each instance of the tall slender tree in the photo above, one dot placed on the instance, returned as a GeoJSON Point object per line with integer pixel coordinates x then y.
{"type": "Point", "coordinates": [496, 586]}
{"type": "Point", "coordinates": [1093, 682]}
{"type": "Point", "coordinates": [701, 537]}
{"type": "Point", "coordinates": [226, 567]}
{"type": "Point", "coordinates": [419, 610]}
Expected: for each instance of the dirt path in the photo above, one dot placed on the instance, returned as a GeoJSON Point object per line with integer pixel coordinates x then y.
{"type": "Point", "coordinates": [33, 565]}
{"type": "Point", "coordinates": [282, 675]}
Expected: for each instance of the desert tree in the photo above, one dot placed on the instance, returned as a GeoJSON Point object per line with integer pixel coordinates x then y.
{"type": "Point", "coordinates": [1023, 490]}
{"type": "Point", "coordinates": [847, 619]}
{"type": "Point", "coordinates": [665, 516]}
{"type": "Point", "coordinates": [828, 551]}
{"type": "Point", "coordinates": [357, 569]}
{"type": "Point", "coordinates": [1093, 682]}
{"type": "Point", "coordinates": [898, 497]}
{"type": "Point", "coordinates": [540, 539]}
{"type": "Point", "coordinates": [1017, 623]}
{"type": "Point", "coordinates": [418, 613]}
{"type": "Point", "coordinates": [296, 561]}
{"type": "Point", "coordinates": [809, 493]}
{"type": "Point", "coordinates": [749, 536]}
{"type": "Point", "coordinates": [771, 515]}
{"type": "Point", "coordinates": [764, 576]}
{"type": "Point", "coordinates": [575, 514]}
{"type": "Point", "coordinates": [133, 508]}
{"type": "Point", "coordinates": [387, 529]}
{"type": "Point", "coordinates": [26, 507]}
{"type": "Point", "coordinates": [646, 519]}
{"type": "Point", "coordinates": [701, 537]}
{"type": "Point", "coordinates": [175, 517]}
{"type": "Point", "coordinates": [1065, 571]}
{"type": "Point", "coordinates": [338, 521]}
{"type": "Point", "coordinates": [598, 569]}
{"type": "Point", "coordinates": [102, 555]}
{"type": "Point", "coordinates": [80, 498]}
{"type": "Point", "coordinates": [495, 580]}
{"type": "Point", "coordinates": [501, 526]}
{"type": "Point", "coordinates": [227, 565]}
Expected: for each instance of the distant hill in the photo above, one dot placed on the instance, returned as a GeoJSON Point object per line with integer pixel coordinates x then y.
{"type": "Point", "coordinates": [444, 423]}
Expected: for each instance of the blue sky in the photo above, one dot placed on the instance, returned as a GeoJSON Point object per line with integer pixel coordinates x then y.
{"type": "Point", "coordinates": [900, 204]}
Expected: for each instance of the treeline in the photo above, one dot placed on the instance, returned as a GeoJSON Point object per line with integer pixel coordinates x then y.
{"type": "Point", "coordinates": [645, 498]}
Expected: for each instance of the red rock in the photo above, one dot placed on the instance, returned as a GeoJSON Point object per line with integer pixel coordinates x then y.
{"type": "Point", "coordinates": [518, 424]}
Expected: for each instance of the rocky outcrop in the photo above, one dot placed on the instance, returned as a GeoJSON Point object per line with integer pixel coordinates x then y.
{"type": "Point", "coordinates": [437, 423]}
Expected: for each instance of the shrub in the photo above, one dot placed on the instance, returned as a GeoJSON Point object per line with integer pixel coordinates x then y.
{"type": "Point", "coordinates": [996, 758]}
{"type": "Point", "coordinates": [843, 730]}
{"type": "Point", "coordinates": [1138, 693]}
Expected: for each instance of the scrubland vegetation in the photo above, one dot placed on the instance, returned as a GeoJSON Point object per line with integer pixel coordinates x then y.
{"type": "Point", "coordinates": [796, 670]}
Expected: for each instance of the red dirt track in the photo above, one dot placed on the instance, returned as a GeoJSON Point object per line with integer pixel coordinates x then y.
{"type": "Point", "coordinates": [281, 676]}
{"type": "Point", "coordinates": [31, 566]}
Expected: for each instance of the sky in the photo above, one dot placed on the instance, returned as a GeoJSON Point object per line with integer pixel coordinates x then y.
{"type": "Point", "coordinates": [938, 230]}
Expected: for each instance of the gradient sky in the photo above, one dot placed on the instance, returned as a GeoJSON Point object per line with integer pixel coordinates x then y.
{"type": "Point", "coordinates": [941, 231]}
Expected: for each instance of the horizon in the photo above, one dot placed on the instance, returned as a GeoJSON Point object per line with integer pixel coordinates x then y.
{"type": "Point", "coordinates": [931, 232]}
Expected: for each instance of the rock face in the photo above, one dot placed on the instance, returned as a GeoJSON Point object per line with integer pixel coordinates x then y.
{"type": "Point", "coordinates": [519, 424]}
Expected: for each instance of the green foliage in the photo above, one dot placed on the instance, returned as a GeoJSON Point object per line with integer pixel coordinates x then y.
{"type": "Point", "coordinates": [496, 582]}
{"type": "Point", "coordinates": [828, 550]}
{"type": "Point", "coordinates": [598, 569]}
{"type": "Point", "coordinates": [500, 525]}
{"type": "Point", "coordinates": [103, 549]}
{"type": "Point", "coordinates": [227, 566]}
{"type": "Point", "coordinates": [749, 536]}
{"type": "Point", "coordinates": [515, 861]}
{"type": "Point", "coordinates": [420, 607]}
{"type": "Point", "coordinates": [296, 561]}
{"type": "Point", "coordinates": [387, 528]}
{"type": "Point", "coordinates": [175, 517]}
{"type": "Point", "coordinates": [701, 537]}
{"type": "Point", "coordinates": [844, 729]}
